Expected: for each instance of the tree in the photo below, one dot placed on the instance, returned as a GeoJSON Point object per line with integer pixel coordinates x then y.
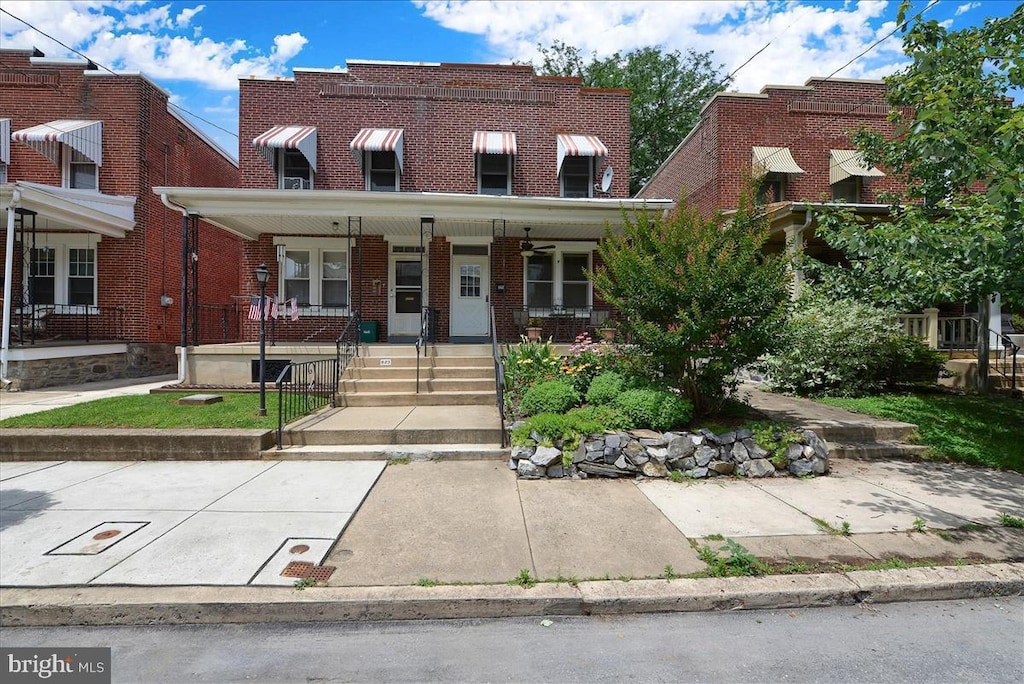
{"type": "Point", "coordinates": [699, 296]}
{"type": "Point", "coordinates": [668, 91]}
{"type": "Point", "coordinates": [958, 235]}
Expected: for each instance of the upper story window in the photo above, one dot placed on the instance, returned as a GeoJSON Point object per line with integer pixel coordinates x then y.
{"type": "Point", "coordinates": [847, 171]}
{"type": "Point", "coordinates": [578, 157]}
{"type": "Point", "coordinates": [772, 188]}
{"type": "Point", "coordinates": [379, 152]}
{"type": "Point", "coordinates": [495, 153]}
{"type": "Point", "coordinates": [291, 150]}
{"type": "Point", "coordinates": [76, 146]}
{"type": "Point", "coordinates": [776, 164]}
{"type": "Point", "coordinates": [382, 173]}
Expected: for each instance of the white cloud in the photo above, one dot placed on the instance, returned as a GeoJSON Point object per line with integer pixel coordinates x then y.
{"type": "Point", "coordinates": [154, 19]}
{"type": "Point", "coordinates": [967, 7]}
{"type": "Point", "coordinates": [805, 40]}
{"type": "Point", "coordinates": [184, 17]}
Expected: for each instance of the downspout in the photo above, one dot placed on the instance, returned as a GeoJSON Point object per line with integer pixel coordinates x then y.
{"type": "Point", "coordinates": [5, 343]}
{"type": "Point", "coordinates": [184, 284]}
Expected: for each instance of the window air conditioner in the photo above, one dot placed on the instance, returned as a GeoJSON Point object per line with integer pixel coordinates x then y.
{"type": "Point", "coordinates": [296, 183]}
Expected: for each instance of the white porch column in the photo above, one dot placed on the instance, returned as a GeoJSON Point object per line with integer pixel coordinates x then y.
{"type": "Point", "coordinates": [5, 338]}
{"type": "Point", "coordinates": [933, 327]}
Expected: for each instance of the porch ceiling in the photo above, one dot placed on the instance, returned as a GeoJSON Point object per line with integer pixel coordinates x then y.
{"type": "Point", "coordinates": [61, 209]}
{"type": "Point", "coordinates": [251, 213]}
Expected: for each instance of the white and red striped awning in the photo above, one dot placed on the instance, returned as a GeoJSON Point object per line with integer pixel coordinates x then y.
{"type": "Point", "coordinates": [494, 142]}
{"type": "Point", "coordinates": [378, 140]}
{"type": "Point", "coordinates": [84, 136]}
{"type": "Point", "coordinates": [301, 138]}
{"type": "Point", "coordinates": [580, 146]}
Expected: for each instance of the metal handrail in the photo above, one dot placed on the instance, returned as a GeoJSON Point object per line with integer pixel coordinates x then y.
{"type": "Point", "coordinates": [422, 340]}
{"type": "Point", "coordinates": [499, 379]}
{"type": "Point", "coordinates": [1001, 358]}
{"type": "Point", "coordinates": [303, 388]}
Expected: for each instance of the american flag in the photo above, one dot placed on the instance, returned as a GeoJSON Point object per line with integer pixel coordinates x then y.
{"type": "Point", "coordinates": [255, 309]}
{"type": "Point", "coordinates": [293, 305]}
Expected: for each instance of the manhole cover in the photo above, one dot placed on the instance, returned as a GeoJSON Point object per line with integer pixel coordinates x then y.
{"type": "Point", "coordinates": [322, 573]}
{"type": "Point", "coordinates": [299, 548]}
{"type": "Point", "coordinates": [106, 534]}
{"type": "Point", "coordinates": [298, 570]}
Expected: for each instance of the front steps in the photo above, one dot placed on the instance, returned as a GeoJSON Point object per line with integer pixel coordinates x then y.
{"type": "Point", "coordinates": [381, 416]}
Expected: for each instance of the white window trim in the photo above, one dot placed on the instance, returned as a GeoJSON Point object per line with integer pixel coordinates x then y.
{"type": "Point", "coordinates": [280, 169]}
{"type": "Point", "coordinates": [62, 243]}
{"type": "Point", "coordinates": [590, 176]}
{"type": "Point", "coordinates": [316, 247]}
{"type": "Point", "coordinates": [367, 169]}
{"type": "Point", "coordinates": [480, 171]}
{"type": "Point", "coordinates": [561, 249]}
{"type": "Point", "coordinates": [65, 169]}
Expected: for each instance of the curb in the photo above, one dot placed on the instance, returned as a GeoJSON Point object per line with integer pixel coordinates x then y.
{"type": "Point", "coordinates": [242, 605]}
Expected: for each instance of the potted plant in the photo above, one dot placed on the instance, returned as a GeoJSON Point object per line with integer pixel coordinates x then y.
{"type": "Point", "coordinates": [608, 329]}
{"type": "Point", "coordinates": [533, 329]}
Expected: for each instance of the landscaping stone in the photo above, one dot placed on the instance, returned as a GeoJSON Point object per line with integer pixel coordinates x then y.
{"type": "Point", "coordinates": [545, 456]}
{"type": "Point", "coordinates": [529, 470]}
{"type": "Point", "coordinates": [697, 473]}
{"type": "Point", "coordinates": [556, 471]}
{"type": "Point", "coordinates": [654, 469]}
{"type": "Point", "coordinates": [680, 446]}
{"type": "Point", "coordinates": [704, 455]}
{"type": "Point", "coordinates": [801, 467]}
{"type": "Point", "coordinates": [722, 467]}
{"type": "Point", "coordinates": [739, 453]}
{"type": "Point", "coordinates": [744, 433]}
{"type": "Point", "coordinates": [659, 454]}
{"type": "Point", "coordinates": [758, 467]}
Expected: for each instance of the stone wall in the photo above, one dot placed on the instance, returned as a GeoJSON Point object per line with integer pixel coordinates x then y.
{"type": "Point", "coordinates": [140, 360]}
{"type": "Point", "coordinates": [693, 455]}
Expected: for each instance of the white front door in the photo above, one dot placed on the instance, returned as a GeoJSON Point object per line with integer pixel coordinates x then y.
{"type": "Point", "coordinates": [470, 283]}
{"type": "Point", "coordinates": [405, 294]}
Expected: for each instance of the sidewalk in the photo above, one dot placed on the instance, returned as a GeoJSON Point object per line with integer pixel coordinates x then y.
{"type": "Point", "coordinates": [32, 401]}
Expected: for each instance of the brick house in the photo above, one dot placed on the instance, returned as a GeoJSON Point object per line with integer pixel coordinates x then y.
{"type": "Point", "coordinates": [391, 189]}
{"type": "Point", "coordinates": [93, 259]}
{"type": "Point", "coordinates": [799, 137]}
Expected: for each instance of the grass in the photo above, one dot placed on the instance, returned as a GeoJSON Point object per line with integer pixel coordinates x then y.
{"type": "Point", "coordinates": [1007, 520]}
{"type": "Point", "coordinates": [986, 431]}
{"type": "Point", "coordinates": [828, 528]}
{"type": "Point", "coordinates": [238, 410]}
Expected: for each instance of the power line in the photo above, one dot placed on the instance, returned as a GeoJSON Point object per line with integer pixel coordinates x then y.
{"type": "Point", "coordinates": [106, 68]}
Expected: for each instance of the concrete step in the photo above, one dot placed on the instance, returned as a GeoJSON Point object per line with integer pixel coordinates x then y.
{"type": "Point", "coordinates": [343, 438]}
{"type": "Point", "coordinates": [381, 452]}
{"type": "Point", "coordinates": [425, 362]}
{"type": "Point", "coordinates": [409, 372]}
{"type": "Point", "coordinates": [841, 432]}
{"type": "Point", "coordinates": [349, 387]}
{"type": "Point", "coordinates": [868, 450]}
{"type": "Point", "coordinates": [443, 398]}
{"type": "Point", "coordinates": [430, 350]}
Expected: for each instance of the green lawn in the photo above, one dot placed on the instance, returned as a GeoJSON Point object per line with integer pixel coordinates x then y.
{"type": "Point", "coordinates": [238, 410]}
{"type": "Point", "coordinates": [985, 431]}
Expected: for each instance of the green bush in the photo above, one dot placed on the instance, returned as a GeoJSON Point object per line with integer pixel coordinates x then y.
{"type": "Point", "coordinates": [569, 427]}
{"type": "Point", "coordinates": [588, 420]}
{"type": "Point", "coordinates": [674, 412]}
{"type": "Point", "coordinates": [604, 388]}
{"type": "Point", "coordinates": [846, 348]}
{"type": "Point", "coordinates": [551, 427]}
{"type": "Point", "coordinates": [526, 364]}
{"type": "Point", "coordinates": [549, 396]}
{"type": "Point", "coordinates": [657, 409]}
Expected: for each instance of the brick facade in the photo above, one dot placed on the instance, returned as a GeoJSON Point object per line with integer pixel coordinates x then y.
{"type": "Point", "coordinates": [144, 145]}
{"type": "Point", "coordinates": [709, 167]}
{"type": "Point", "coordinates": [439, 107]}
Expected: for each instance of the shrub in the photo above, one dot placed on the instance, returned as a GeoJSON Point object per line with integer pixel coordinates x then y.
{"type": "Point", "coordinates": [844, 347]}
{"type": "Point", "coordinates": [551, 427]}
{"type": "Point", "coordinates": [604, 388]}
{"type": "Point", "coordinates": [549, 396]}
{"type": "Point", "coordinates": [911, 361]}
{"type": "Point", "coordinates": [525, 364]}
{"type": "Point", "coordinates": [588, 420]}
{"type": "Point", "coordinates": [585, 359]}
{"type": "Point", "coordinates": [569, 427]}
{"type": "Point", "coordinates": [657, 409]}
{"type": "Point", "coordinates": [674, 412]}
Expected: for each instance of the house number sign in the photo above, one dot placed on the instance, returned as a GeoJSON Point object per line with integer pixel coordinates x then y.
{"type": "Point", "coordinates": [385, 362]}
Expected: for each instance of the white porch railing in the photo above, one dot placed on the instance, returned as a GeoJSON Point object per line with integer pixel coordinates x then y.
{"type": "Point", "coordinates": [923, 325]}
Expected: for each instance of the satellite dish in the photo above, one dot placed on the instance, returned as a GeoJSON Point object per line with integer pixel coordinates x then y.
{"type": "Point", "coordinates": [606, 179]}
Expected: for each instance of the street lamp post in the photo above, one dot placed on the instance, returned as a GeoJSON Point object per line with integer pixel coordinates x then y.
{"type": "Point", "coordinates": [262, 276]}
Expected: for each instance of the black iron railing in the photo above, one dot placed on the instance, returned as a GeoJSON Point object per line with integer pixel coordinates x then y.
{"type": "Point", "coordinates": [303, 388]}
{"type": "Point", "coordinates": [499, 380]}
{"type": "Point", "coordinates": [427, 329]}
{"type": "Point", "coordinates": [67, 323]}
{"type": "Point", "coordinates": [559, 323]}
{"type": "Point", "coordinates": [1005, 362]}
{"type": "Point", "coordinates": [218, 323]}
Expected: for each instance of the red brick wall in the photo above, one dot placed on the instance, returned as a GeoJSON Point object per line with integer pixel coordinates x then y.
{"type": "Point", "coordinates": [143, 145]}
{"type": "Point", "coordinates": [708, 169]}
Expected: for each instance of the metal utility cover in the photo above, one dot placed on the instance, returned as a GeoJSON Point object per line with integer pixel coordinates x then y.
{"type": "Point", "coordinates": [98, 539]}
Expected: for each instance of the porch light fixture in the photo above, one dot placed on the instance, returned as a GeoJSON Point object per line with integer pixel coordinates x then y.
{"type": "Point", "coordinates": [262, 276]}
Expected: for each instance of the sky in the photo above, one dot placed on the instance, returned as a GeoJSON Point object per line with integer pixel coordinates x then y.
{"type": "Point", "coordinates": [197, 51]}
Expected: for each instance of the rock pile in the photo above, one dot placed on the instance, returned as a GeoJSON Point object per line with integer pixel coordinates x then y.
{"type": "Point", "coordinates": [655, 454]}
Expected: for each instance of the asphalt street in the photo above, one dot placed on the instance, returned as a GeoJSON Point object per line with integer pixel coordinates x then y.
{"type": "Point", "coordinates": [979, 640]}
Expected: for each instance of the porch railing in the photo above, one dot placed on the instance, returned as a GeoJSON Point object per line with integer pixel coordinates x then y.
{"type": "Point", "coordinates": [1005, 362]}
{"type": "Point", "coordinates": [427, 322]}
{"type": "Point", "coordinates": [499, 380]}
{"type": "Point", "coordinates": [66, 323]}
{"type": "Point", "coordinates": [218, 323]}
{"type": "Point", "coordinates": [559, 323]}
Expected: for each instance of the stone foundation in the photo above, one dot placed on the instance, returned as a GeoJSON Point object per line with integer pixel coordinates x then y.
{"type": "Point", "coordinates": [692, 455]}
{"type": "Point", "coordinates": [140, 360]}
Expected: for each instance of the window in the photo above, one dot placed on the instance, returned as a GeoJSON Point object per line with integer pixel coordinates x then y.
{"type": "Point", "coordinates": [577, 177]}
{"type": "Point", "coordinates": [494, 174]}
{"type": "Point", "coordinates": [558, 279]}
{"type": "Point", "coordinates": [382, 171]}
{"type": "Point", "coordinates": [772, 189]}
{"type": "Point", "coordinates": [294, 172]}
{"type": "Point", "coordinates": [3, 172]}
{"type": "Point", "coordinates": [315, 272]}
{"type": "Point", "coordinates": [847, 190]}
{"type": "Point", "coordinates": [62, 274]}
{"type": "Point", "coordinates": [79, 171]}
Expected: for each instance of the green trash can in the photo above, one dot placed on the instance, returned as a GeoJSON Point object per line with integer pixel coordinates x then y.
{"type": "Point", "coordinates": [368, 331]}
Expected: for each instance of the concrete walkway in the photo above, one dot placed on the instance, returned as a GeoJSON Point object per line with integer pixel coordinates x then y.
{"type": "Point", "coordinates": [32, 401]}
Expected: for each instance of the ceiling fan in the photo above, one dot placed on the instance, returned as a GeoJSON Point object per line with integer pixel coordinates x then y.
{"type": "Point", "coordinates": [527, 248]}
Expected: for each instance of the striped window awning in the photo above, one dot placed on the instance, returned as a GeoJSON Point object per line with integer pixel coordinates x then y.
{"type": "Point", "coordinates": [774, 160]}
{"type": "Point", "coordinates": [301, 138]}
{"type": "Point", "coordinates": [83, 136]}
{"type": "Point", "coordinates": [5, 141]}
{"type": "Point", "coordinates": [494, 142]}
{"type": "Point", "coordinates": [580, 146]}
{"type": "Point", "coordinates": [378, 140]}
{"type": "Point", "coordinates": [846, 163]}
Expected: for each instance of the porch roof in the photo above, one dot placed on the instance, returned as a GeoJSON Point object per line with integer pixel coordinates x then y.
{"type": "Point", "coordinates": [63, 209]}
{"type": "Point", "coordinates": [250, 213]}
